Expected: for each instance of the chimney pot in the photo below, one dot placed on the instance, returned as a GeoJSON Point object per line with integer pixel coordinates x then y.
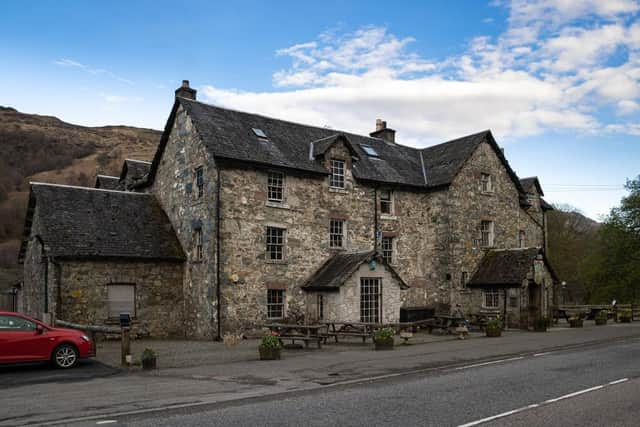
{"type": "Point", "coordinates": [185, 91]}
{"type": "Point", "coordinates": [383, 132]}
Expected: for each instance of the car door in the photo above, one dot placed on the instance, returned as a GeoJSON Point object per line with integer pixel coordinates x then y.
{"type": "Point", "coordinates": [20, 341]}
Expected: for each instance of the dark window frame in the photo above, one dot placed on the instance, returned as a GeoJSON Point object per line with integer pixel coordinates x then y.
{"type": "Point", "coordinates": [337, 234]}
{"type": "Point", "coordinates": [386, 203]}
{"type": "Point", "coordinates": [275, 243]}
{"type": "Point", "coordinates": [276, 300]}
{"type": "Point", "coordinates": [199, 181]}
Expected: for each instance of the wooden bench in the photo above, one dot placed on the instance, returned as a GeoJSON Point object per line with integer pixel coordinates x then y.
{"type": "Point", "coordinates": [351, 329]}
{"type": "Point", "coordinates": [304, 333]}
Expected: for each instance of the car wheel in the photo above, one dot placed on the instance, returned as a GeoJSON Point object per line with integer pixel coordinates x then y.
{"type": "Point", "coordinates": [65, 356]}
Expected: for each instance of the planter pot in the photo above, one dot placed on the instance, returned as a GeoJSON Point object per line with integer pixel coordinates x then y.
{"type": "Point", "coordinates": [269, 353]}
{"type": "Point", "coordinates": [493, 332]}
{"type": "Point", "coordinates": [577, 323]}
{"type": "Point", "coordinates": [601, 322]}
{"type": "Point", "coordinates": [383, 344]}
{"type": "Point", "coordinates": [149, 363]}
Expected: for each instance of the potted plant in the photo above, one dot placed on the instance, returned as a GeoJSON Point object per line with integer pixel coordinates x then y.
{"type": "Point", "coordinates": [493, 328]}
{"type": "Point", "coordinates": [601, 317]}
{"type": "Point", "coordinates": [541, 324]}
{"type": "Point", "coordinates": [624, 315]}
{"type": "Point", "coordinates": [148, 359]}
{"type": "Point", "coordinates": [575, 321]}
{"type": "Point", "coordinates": [383, 339]}
{"type": "Point", "coordinates": [270, 347]}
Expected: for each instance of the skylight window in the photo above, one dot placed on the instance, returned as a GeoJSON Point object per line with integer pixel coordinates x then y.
{"type": "Point", "coordinates": [259, 133]}
{"type": "Point", "coordinates": [369, 150]}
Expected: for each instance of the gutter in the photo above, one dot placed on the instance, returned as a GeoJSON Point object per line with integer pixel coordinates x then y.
{"type": "Point", "coordinates": [375, 220]}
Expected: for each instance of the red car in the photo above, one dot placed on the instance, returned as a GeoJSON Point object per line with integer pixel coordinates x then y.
{"type": "Point", "coordinates": [23, 339]}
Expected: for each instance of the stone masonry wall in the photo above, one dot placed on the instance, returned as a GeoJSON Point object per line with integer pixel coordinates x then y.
{"type": "Point", "coordinates": [158, 294]}
{"type": "Point", "coordinates": [309, 204]}
{"type": "Point", "coordinates": [175, 188]}
{"type": "Point", "coordinates": [35, 271]}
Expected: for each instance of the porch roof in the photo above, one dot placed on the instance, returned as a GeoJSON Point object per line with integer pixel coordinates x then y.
{"type": "Point", "coordinates": [506, 268]}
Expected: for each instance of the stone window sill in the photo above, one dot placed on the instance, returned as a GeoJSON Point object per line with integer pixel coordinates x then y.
{"type": "Point", "coordinates": [337, 249]}
{"type": "Point", "coordinates": [338, 190]}
{"type": "Point", "coordinates": [388, 217]}
{"type": "Point", "coordinates": [488, 193]}
{"type": "Point", "coordinates": [277, 205]}
{"type": "Point", "coordinates": [277, 262]}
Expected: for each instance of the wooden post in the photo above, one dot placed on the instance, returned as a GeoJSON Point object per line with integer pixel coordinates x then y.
{"type": "Point", "coordinates": [126, 346]}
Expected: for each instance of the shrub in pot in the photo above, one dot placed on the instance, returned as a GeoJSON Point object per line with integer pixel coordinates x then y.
{"type": "Point", "coordinates": [575, 322]}
{"type": "Point", "coordinates": [601, 317]}
{"type": "Point", "coordinates": [148, 359]}
{"type": "Point", "coordinates": [383, 339]}
{"type": "Point", "coordinates": [541, 324]}
{"type": "Point", "coordinates": [270, 347]}
{"type": "Point", "coordinates": [624, 315]}
{"type": "Point", "coordinates": [493, 328]}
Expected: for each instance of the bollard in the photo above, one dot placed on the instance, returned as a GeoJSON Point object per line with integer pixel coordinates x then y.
{"type": "Point", "coordinates": [126, 346]}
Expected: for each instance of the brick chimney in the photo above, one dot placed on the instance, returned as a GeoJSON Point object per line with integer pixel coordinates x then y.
{"type": "Point", "coordinates": [383, 132]}
{"type": "Point", "coordinates": [185, 91]}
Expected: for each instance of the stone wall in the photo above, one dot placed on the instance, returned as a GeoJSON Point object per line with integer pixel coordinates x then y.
{"type": "Point", "coordinates": [158, 294]}
{"type": "Point", "coordinates": [309, 205]}
{"type": "Point", "coordinates": [35, 273]}
{"type": "Point", "coordinates": [175, 188]}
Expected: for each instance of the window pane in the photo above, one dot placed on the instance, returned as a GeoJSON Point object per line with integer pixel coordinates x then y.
{"type": "Point", "coordinates": [275, 303]}
{"type": "Point", "coordinates": [275, 187]}
{"type": "Point", "coordinates": [336, 233]}
{"type": "Point", "coordinates": [14, 323]}
{"type": "Point", "coordinates": [121, 299]}
{"type": "Point", "coordinates": [370, 299]}
{"type": "Point", "coordinates": [337, 174]}
{"type": "Point", "coordinates": [387, 249]}
{"type": "Point", "coordinates": [199, 182]}
{"type": "Point", "coordinates": [275, 243]}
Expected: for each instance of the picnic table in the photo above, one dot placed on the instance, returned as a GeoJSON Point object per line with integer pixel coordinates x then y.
{"type": "Point", "coordinates": [304, 333]}
{"type": "Point", "coordinates": [351, 329]}
{"type": "Point", "coordinates": [444, 322]}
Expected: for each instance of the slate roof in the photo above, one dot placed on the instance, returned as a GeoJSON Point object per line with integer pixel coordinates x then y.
{"type": "Point", "coordinates": [134, 172]}
{"type": "Point", "coordinates": [78, 222]}
{"type": "Point", "coordinates": [529, 183]}
{"type": "Point", "coordinates": [338, 268]}
{"type": "Point", "coordinates": [228, 134]}
{"type": "Point", "coordinates": [505, 267]}
{"type": "Point", "coordinates": [545, 205]}
{"type": "Point", "coordinates": [107, 182]}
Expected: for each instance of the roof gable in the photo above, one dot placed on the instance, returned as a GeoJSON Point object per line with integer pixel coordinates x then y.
{"type": "Point", "coordinates": [507, 267]}
{"type": "Point", "coordinates": [531, 183]}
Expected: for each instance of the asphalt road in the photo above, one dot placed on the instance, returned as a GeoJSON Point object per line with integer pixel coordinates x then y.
{"type": "Point", "coordinates": [40, 373]}
{"type": "Point", "coordinates": [559, 388]}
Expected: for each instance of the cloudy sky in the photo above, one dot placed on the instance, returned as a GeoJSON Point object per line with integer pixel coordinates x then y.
{"type": "Point", "coordinates": [557, 81]}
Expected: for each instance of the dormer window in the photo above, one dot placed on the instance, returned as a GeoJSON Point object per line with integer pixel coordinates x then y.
{"type": "Point", "coordinates": [486, 183]}
{"type": "Point", "coordinates": [337, 174]}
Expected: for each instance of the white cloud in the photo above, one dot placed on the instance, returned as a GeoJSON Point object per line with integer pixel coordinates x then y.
{"type": "Point", "coordinates": [555, 67]}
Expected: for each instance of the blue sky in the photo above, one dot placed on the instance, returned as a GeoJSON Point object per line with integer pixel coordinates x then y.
{"type": "Point", "coordinates": [557, 81]}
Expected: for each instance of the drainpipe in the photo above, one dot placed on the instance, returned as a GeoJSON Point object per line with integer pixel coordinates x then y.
{"type": "Point", "coordinates": [375, 220]}
{"type": "Point", "coordinates": [218, 305]}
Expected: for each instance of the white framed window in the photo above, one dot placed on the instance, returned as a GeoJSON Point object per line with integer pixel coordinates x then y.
{"type": "Point", "coordinates": [275, 303]}
{"type": "Point", "coordinates": [199, 181]}
{"type": "Point", "coordinates": [386, 202]}
{"type": "Point", "coordinates": [522, 239]}
{"type": "Point", "coordinates": [486, 234]}
{"type": "Point", "coordinates": [121, 298]}
{"type": "Point", "coordinates": [491, 298]}
{"type": "Point", "coordinates": [275, 243]}
{"type": "Point", "coordinates": [337, 174]}
{"type": "Point", "coordinates": [336, 233]}
{"type": "Point", "coordinates": [387, 249]}
{"type": "Point", "coordinates": [198, 248]}
{"type": "Point", "coordinates": [275, 187]}
{"type": "Point", "coordinates": [486, 183]}
{"type": "Point", "coordinates": [370, 299]}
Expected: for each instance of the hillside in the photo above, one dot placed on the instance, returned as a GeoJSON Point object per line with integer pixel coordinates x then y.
{"type": "Point", "coordinates": [44, 148]}
{"type": "Point", "coordinates": [572, 239]}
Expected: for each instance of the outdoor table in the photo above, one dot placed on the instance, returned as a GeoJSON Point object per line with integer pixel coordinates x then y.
{"type": "Point", "coordinates": [352, 329]}
{"type": "Point", "coordinates": [294, 332]}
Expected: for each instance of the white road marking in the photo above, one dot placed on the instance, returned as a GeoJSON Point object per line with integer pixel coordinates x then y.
{"type": "Point", "coordinates": [492, 362]}
{"type": "Point", "coordinates": [106, 422]}
{"type": "Point", "coordinates": [542, 354]}
{"type": "Point", "coordinates": [546, 402]}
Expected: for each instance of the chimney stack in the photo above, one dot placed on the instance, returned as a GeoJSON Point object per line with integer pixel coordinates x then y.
{"type": "Point", "coordinates": [185, 91]}
{"type": "Point", "coordinates": [383, 132]}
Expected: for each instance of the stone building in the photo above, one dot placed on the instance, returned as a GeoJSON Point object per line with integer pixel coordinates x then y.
{"type": "Point", "coordinates": [279, 220]}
